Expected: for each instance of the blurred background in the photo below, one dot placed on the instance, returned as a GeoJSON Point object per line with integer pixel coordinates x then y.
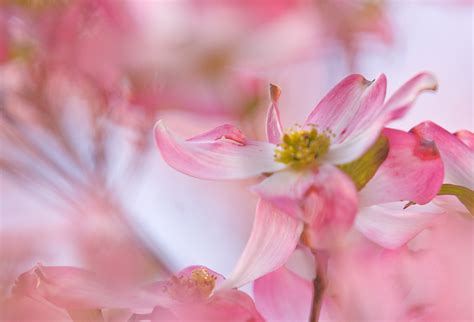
{"type": "Point", "coordinates": [82, 82]}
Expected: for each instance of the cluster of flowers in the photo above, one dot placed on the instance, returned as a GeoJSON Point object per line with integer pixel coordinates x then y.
{"type": "Point", "coordinates": [342, 169]}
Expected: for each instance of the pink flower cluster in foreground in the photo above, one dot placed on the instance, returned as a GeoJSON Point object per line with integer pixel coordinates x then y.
{"type": "Point", "coordinates": [340, 172]}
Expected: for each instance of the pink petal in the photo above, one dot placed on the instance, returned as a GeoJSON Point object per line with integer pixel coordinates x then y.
{"type": "Point", "coordinates": [283, 296]}
{"type": "Point", "coordinates": [285, 190]}
{"type": "Point", "coordinates": [225, 131]}
{"type": "Point", "coordinates": [371, 122]}
{"type": "Point", "coordinates": [274, 128]}
{"type": "Point", "coordinates": [273, 238]}
{"type": "Point", "coordinates": [413, 171]}
{"type": "Point", "coordinates": [224, 305]}
{"type": "Point", "coordinates": [350, 106]}
{"type": "Point", "coordinates": [74, 288]}
{"type": "Point", "coordinates": [392, 228]}
{"type": "Point", "coordinates": [401, 101]}
{"type": "Point", "coordinates": [222, 153]}
{"type": "Point", "coordinates": [330, 207]}
{"type": "Point", "coordinates": [467, 137]}
{"type": "Point", "coordinates": [326, 199]}
{"type": "Point", "coordinates": [356, 145]}
{"type": "Point", "coordinates": [457, 157]}
{"type": "Point", "coordinates": [21, 308]}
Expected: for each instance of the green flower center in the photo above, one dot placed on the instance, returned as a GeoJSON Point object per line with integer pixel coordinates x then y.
{"type": "Point", "coordinates": [302, 148]}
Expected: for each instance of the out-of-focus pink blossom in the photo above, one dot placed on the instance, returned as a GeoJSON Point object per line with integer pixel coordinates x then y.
{"type": "Point", "coordinates": [68, 291]}
{"type": "Point", "coordinates": [195, 297]}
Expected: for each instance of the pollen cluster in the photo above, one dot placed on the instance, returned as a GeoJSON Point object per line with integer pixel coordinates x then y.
{"type": "Point", "coordinates": [198, 285]}
{"type": "Point", "coordinates": [302, 148]}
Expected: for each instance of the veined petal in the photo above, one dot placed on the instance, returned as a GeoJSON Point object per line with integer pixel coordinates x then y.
{"type": "Point", "coordinates": [401, 101]}
{"type": "Point", "coordinates": [467, 137]}
{"type": "Point", "coordinates": [413, 171]}
{"type": "Point", "coordinates": [283, 296]}
{"type": "Point", "coordinates": [371, 122]}
{"type": "Point", "coordinates": [391, 227]}
{"type": "Point", "coordinates": [75, 288]}
{"type": "Point", "coordinates": [274, 127]}
{"type": "Point", "coordinates": [273, 238]}
{"type": "Point", "coordinates": [222, 153]}
{"type": "Point", "coordinates": [457, 157]}
{"type": "Point", "coordinates": [350, 106]}
{"type": "Point", "coordinates": [355, 146]}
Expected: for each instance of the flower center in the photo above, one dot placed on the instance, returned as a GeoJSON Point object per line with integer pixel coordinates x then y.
{"type": "Point", "coordinates": [199, 285]}
{"type": "Point", "coordinates": [302, 148]}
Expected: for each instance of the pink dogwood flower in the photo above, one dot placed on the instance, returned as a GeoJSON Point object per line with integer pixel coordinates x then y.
{"type": "Point", "coordinates": [300, 164]}
{"type": "Point", "coordinates": [413, 171]}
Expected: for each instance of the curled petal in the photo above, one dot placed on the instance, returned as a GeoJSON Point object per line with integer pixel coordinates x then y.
{"type": "Point", "coordinates": [457, 157]}
{"type": "Point", "coordinates": [350, 106]}
{"type": "Point", "coordinates": [273, 238]}
{"type": "Point", "coordinates": [413, 171]}
{"type": "Point", "coordinates": [393, 227]}
{"type": "Point", "coordinates": [467, 137]}
{"type": "Point", "coordinates": [283, 296]}
{"type": "Point", "coordinates": [222, 153]}
{"type": "Point", "coordinates": [274, 128]}
{"type": "Point", "coordinates": [401, 101]}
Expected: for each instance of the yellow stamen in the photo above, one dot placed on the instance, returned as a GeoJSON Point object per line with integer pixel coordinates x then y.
{"type": "Point", "coordinates": [302, 148]}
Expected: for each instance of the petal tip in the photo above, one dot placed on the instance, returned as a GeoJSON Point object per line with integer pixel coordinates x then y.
{"type": "Point", "coordinates": [275, 92]}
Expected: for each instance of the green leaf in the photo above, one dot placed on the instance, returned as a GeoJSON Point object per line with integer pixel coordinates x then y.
{"type": "Point", "coordinates": [364, 168]}
{"type": "Point", "coordinates": [465, 195]}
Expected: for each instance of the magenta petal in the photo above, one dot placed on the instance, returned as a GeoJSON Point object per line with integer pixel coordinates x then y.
{"type": "Point", "coordinates": [467, 137]}
{"type": "Point", "coordinates": [401, 101]}
{"type": "Point", "coordinates": [350, 106]}
{"type": "Point", "coordinates": [283, 296]}
{"type": "Point", "coordinates": [413, 171]}
{"type": "Point", "coordinates": [457, 157]}
{"type": "Point", "coordinates": [392, 228]}
{"type": "Point", "coordinates": [222, 153]}
{"type": "Point", "coordinates": [273, 239]}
